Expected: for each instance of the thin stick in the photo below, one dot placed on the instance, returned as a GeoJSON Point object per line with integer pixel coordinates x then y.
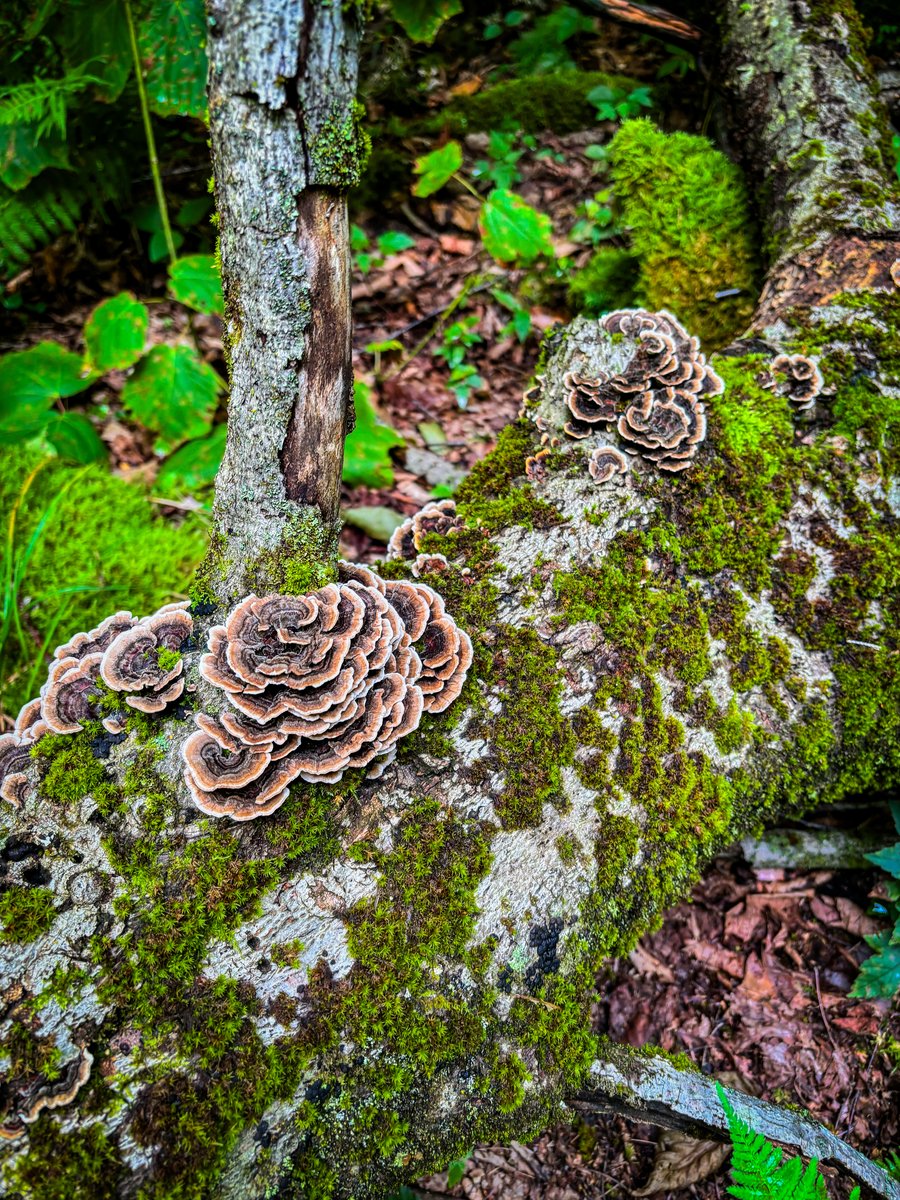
{"type": "Point", "coordinates": [151, 143]}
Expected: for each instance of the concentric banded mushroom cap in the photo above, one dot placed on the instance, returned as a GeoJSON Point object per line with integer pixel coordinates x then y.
{"type": "Point", "coordinates": [14, 758]}
{"type": "Point", "coordinates": [444, 648]}
{"type": "Point", "coordinates": [802, 381]}
{"type": "Point", "coordinates": [28, 1097]}
{"type": "Point", "coordinates": [71, 695]}
{"type": "Point", "coordinates": [96, 641]}
{"type": "Point", "coordinates": [438, 516]}
{"type": "Point", "coordinates": [666, 425]}
{"type": "Point", "coordinates": [605, 463]}
{"type": "Point", "coordinates": [29, 725]}
{"type": "Point", "coordinates": [131, 663]}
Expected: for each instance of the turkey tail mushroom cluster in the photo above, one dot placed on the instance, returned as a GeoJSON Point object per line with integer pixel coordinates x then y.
{"type": "Point", "coordinates": [655, 403]}
{"type": "Point", "coordinates": [437, 517]}
{"type": "Point", "coordinates": [317, 685]}
{"type": "Point", "coordinates": [123, 653]}
{"type": "Point", "coordinates": [797, 377]}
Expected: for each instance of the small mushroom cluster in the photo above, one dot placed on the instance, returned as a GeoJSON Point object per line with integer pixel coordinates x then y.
{"type": "Point", "coordinates": [656, 403]}
{"type": "Point", "coordinates": [317, 685]}
{"type": "Point", "coordinates": [138, 658]}
{"type": "Point", "coordinates": [439, 516]}
{"type": "Point", "coordinates": [797, 377]}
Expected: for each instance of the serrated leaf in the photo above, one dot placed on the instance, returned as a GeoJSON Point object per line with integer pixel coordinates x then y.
{"type": "Point", "coordinates": [879, 976]}
{"type": "Point", "coordinates": [173, 393]}
{"type": "Point", "coordinates": [194, 465]}
{"type": "Point", "coordinates": [172, 42]}
{"type": "Point", "coordinates": [421, 19]}
{"type": "Point", "coordinates": [115, 333]}
{"type": "Point", "coordinates": [367, 449]}
{"type": "Point", "coordinates": [436, 168]}
{"type": "Point", "coordinates": [34, 379]}
{"type": "Point", "coordinates": [73, 436]}
{"type": "Point", "coordinates": [194, 280]}
{"type": "Point", "coordinates": [376, 520]}
{"type": "Point", "coordinates": [512, 229]}
{"type": "Point", "coordinates": [96, 32]}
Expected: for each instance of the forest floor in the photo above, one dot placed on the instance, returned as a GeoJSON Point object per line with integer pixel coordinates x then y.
{"type": "Point", "coordinates": [750, 977]}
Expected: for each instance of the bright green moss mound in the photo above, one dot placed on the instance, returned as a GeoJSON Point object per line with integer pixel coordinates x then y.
{"type": "Point", "coordinates": [686, 209]}
{"type": "Point", "coordinates": [25, 913]}
{"type": "Point", "coordinates": [85, 544]}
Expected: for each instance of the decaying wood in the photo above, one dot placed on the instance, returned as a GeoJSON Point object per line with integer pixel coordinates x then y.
{"type": "Point", "coordinates": [653, 1091]}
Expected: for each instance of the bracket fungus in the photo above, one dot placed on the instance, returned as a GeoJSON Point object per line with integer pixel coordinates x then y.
{"type": "Point", "coordinates": [439, 516]}
{"type": "Point", "coordinates": [15, 754]}
{"type": "Point", "coordinates": [656, 403]}
{"type": "Point", "coordinates": [318, 685]}
{"type": "Point", "coordinates": [536, 466]}
{"type": "Point", "coordinates": [800, 380]}
{"type": "Point", "coordinates": [26, 1099]}
{"type": "Point", "coordinates": [140, 662]}
{"type": "Point", "coordinates": [605, 463]}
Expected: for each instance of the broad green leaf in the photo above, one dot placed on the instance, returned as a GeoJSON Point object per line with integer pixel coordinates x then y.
{"type": "Point", "coordinates": [367, 449]}
{"type": "Point", "coordinates": [194, 281]}
{"type": "Point", "coordinates": [457, 1169]}
{"type": "Point", "coordinates": [23, 155]}
{"type": "Point", "coordinates": [96, 32]}
{"type": "Point", "coordinates": [31, 380]}
{"type": "Point", "coordinates": [194, 465]}
{"type": "Point", "coordinates": [115, 333]}
{"type": "Point", "coordinates": [375, 520]}
{"type": "Point", "coordinates": [74, 437]}
{"type": "Point", "coordinates": [880, 974]}
{"type": "Point", "coordinates": [888, 859]}
{"type": "Point", "coordinates": [173, 393]}
{"type": "Point", "coordinates": [172, 42]}
{"type": "Point", "coordinates": [436, 168]}
{"type": "Point", "coordinates": [512, 229]}
{"type": "Point", "coordinates": [421, 19]}
{"type": "Point", "coordinates": [393, 242]}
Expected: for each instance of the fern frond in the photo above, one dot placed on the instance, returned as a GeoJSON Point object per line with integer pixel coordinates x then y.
{"type": "Point", "coordinates": [31, 218]}
{"type": "Point", "coordinates": [42, 103]}
{"type": "Point", "coordinates": [757, 1170]}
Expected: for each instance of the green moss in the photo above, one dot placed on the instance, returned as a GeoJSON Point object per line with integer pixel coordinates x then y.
{"type": "Point", "coordinates": [568, 847]}
{"type": "Point", "coordinates": [733, 728]}
{"type": "Point", "coordinates": [102, 547]}
{"type": "Point", "coordinates": [510, 1077]}
{"type": "Point", "coordinates": [556, 101]}
{"type": "Point", "coordinates": [167, 659]}
{"type": "Point", "coordinates": [70, 770]}
{"type": "Point", "coordinates": [25, 913]}
{"type": "Point", "coordinates": [686, 208]}
{"type": "Point", "coordinates": [490, 496]}
{"type": "Point", "coordinates": [530, 740]}
{"type": "Point", "coordinates": [305, 560]}
{"type": "Point", "coordinates": [608, 281]}
{"type": "Point", "coordinates": [83, 1164]}
{"type": "Point", "coordinates": [339, 149]}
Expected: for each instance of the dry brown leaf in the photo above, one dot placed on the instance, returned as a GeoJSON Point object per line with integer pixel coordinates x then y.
{"type": "Point", "coordinates": [648, 964]}
{"type": "Point", "coordinates": [681, 1161]}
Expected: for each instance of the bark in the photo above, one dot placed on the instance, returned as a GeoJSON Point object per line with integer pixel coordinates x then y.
{"type": "Point", "coordinates": [354, 990]}
{"type": "Point", "coordinates": [282, 108]}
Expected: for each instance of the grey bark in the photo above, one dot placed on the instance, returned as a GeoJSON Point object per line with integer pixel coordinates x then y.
{"type": "Point", "coordinates": [282, 97]}
{"type": "Point", "coordinates": [654, 1091]}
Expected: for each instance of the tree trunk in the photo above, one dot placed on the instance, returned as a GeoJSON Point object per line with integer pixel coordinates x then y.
{"type": "Point", "coordinates": [355, 989]}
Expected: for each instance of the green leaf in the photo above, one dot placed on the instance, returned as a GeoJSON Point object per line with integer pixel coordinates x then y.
{"type": "Point", "coordinates": [194, 281]}
{"type": "Point", "coordinates": [173, 393]}
{"type": "Point", "coordinates": [31, 380]}
{"type": "Point", "coordinates": [393, 242]}
{"type": "Point", "coordinates": [421, 19]}
{"type": "Point", "coordinates": [194, 465]}
{"type": "Point", "coordinates": [888, 859]}
{"type": "Point", "coordinates": [436, 168]}
{"type": "Point", "coordinates": [879, 976]}
{"type": "Point", "coordinates": [74, 437]}
{"type": "Point", "coordinates": [172, 42]}
{"type": "Point", "coordinates": [512, 229]}
{"type": "Point", "coordinates": [457, 1169]}
{"type": "Point", "coordinates": [366, 451]}
{"type": "Point", "coordinates": [115, 333]}
{"type": "Point", "coordinates": [375, 520]}
{"type": "Point", "coordinates": [23, 155]}
{"type": "Point", "coordinates": [95, 32]}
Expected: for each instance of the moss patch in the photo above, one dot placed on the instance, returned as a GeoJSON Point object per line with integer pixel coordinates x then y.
{"type": "Point", "coordinates": [25, 913]}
